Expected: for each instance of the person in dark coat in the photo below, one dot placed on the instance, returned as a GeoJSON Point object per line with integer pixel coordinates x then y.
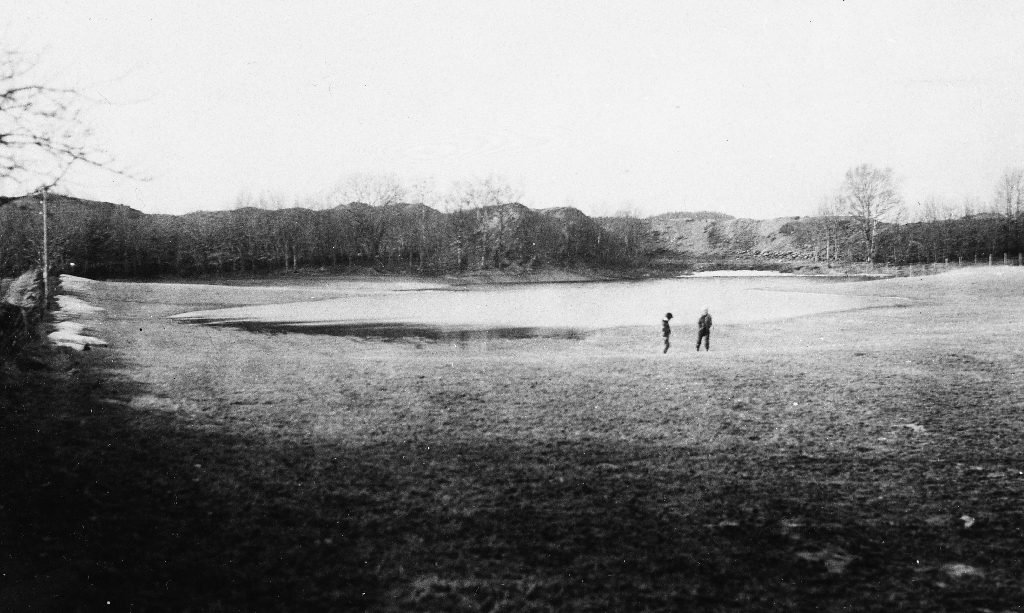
{"type": "Point", "coordinates": [666, 331]}
{"type": "Point", "coordinates": [704, 330]}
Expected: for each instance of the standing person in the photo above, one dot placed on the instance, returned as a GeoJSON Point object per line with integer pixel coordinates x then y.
{"type": "Point", "coordinates": [666, 331]}
{"type": "Point", "coordinates": [704, 330]}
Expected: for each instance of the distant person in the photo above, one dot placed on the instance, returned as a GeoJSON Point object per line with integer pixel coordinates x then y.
{"type": "Point", "coordinates": [704, 330]}
{"type": "Point", "coordinates": [666, 330]}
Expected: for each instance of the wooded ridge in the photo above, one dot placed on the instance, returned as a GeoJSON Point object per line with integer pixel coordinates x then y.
{"type": "Point", "coordinates": [104, 240]}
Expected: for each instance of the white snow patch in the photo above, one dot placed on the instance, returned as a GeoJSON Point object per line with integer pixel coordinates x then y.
{"type": "Point", "coordinates": [71, 283]}
{"type": "Point", "coordinates": [71, 306]}
{"type": "Point", "coordinates": [69, 331]}
{"type": "Point", "coordinates": [66, 336]}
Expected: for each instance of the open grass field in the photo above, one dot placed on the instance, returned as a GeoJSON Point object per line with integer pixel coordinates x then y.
{"type": "Point", "coordinates": [870, 460]}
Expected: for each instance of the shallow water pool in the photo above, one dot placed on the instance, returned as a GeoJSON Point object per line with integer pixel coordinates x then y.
{"type": "Point", "coordinates": [561, 310]}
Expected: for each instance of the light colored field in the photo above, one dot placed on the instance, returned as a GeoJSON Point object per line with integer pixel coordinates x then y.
{"type": "Point", "coordinates": [823, 460]}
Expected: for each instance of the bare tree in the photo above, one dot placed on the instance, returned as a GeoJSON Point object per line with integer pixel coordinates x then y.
{"type": "Point", "coordinates": [620, 236]}
{"type": "Point", "coordinates": [1010, 192]}
{"type": "Point", "coordinates": [826, 226]}
{"type": "Point", "coordinates": [472, 205]}
{"type": "Point", "coordinates": [42, 134]}
{"type": "Point", "coordinates": [872, 198]}
{"type": "Point", "coordinates": [458, 204]}
{"type": "Point", "coordinates": [424, 193]}
{"type": "Point", "coordinates": [370, 200]}
{"type": "Point", "coordinates": [938, 227]}
{"type": "Point", "coordinates": [1008, 197]}
{"type": "Point", "coordinates": [42, 130]}
{"type": "Point", "coordinates": [368, 188]}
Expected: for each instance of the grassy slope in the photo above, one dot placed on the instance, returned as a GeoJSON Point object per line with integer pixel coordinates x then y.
{"type": "Point", "coordinates": [213, 469]}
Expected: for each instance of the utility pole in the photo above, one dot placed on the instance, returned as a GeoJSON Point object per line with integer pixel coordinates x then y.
{"type": "Point", "coordinates": [46, 257]}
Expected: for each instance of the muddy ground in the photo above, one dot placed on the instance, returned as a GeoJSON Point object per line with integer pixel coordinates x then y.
{"type": "Point", "coordinates": [867, 460]}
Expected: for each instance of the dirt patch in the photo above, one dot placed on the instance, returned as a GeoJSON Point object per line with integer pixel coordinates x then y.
{"type": "Point", "coordinates": [815, 463]}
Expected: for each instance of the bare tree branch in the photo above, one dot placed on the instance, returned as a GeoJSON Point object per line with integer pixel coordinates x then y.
{"type": "Point", "coordinates": [42, 130]}
{"type": "Point", "coordinates": [872, 198]}
{"type": "Point", "coordinates": [366, 188]}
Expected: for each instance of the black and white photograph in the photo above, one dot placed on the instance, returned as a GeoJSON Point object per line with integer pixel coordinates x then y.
{"type": "Point", "coordinates": [511, 306]}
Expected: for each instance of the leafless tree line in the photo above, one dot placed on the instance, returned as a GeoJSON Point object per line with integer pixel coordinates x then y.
{"type": "Point", "coordinates": [867, 220]}
{"type": "Point", "coordinates": [482, 227]}
{"type": "Point", "coordinates": [369, 221]}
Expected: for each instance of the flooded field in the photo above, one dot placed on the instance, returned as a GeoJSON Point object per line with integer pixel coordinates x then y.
{"type": "Point", "coordinates": [560, 310]}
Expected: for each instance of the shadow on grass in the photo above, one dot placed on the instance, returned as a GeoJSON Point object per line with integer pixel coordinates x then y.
{"type": "Point", "coordinates": [109, 507]}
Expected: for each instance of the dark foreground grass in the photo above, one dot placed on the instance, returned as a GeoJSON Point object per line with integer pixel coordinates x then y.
{"type": "Point", "coordinates": [869, 460]}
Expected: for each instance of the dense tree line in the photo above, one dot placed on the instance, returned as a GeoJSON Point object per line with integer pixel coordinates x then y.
{"type": "Point", "coordinates": [867, 221]}
{"type": "Point", "coordinates": [106, 240]}
{"type": "Point", "coordinates": [366, 222]}
{"type": "Point", "coordinates": [962, 238]}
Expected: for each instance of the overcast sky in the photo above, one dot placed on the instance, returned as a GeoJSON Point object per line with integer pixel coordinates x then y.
{"type": "Point", "coordinates": [755, 109]}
